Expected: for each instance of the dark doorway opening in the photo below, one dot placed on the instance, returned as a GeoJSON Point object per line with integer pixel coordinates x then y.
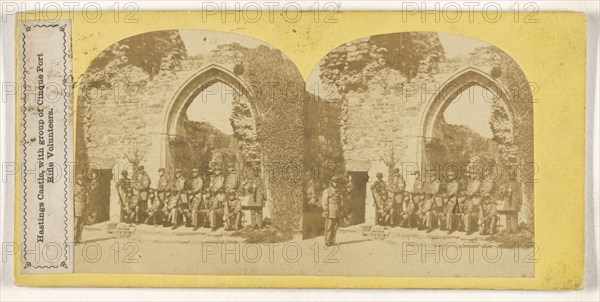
{"type": "Point", "coordinates": [99, 201]}
{"type": "Point", "coordinates": [356, 198]}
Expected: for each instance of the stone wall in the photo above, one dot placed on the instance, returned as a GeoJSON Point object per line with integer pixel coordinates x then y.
{"type": "Point", "coordinates": [123, 108]}
{"type": "Point", "coordinates": [385, 102]}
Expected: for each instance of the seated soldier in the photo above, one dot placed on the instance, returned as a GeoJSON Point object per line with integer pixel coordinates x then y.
{"type": "Point", "coordinates": [171, 207]}
{"type": "Point", "coordinates": [470, 215]}
{"type": "Point", "coordinates": [452, 211]}
{"type": "Point", "coordinates": [409, 211]}
{"type": "Point", "coordinates": [427, 212]}
{"type": "Point", "coordinates": [232, 216]}
{"type": "Point", "coordinates": [217, 209]}
{"type": "Point", "coordinates": [487, 216]}
{"type": "Point", "coordinates": [153, 210]}
{"type": "Point", "coordinates": [129, 206]}
{"type": "Point", "coordinates": [461, 209]}
{"type": "Point", "coordinates": [197, 200]}
{"type": "Point", "coordinates": [204, 209]}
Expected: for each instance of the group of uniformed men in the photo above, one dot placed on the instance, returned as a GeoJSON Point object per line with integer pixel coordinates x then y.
{"type": "Point", "coordinates": [178, 202]}
{"type": "Point", "coordinates": [451, 206]}
{"type": "Point", "coordinates": [190, 202]}
{"type": "Point", "coordinates": [430, 204]}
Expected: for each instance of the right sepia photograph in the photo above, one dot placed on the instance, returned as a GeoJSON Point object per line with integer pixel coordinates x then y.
{"type": "Point", "coordinates": [420, 158]}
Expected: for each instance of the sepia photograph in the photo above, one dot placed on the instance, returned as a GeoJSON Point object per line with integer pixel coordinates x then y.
{"type": "Point", "coordinates": [421, 142]}
{"type": "Point", "coordinates": [187, 137]}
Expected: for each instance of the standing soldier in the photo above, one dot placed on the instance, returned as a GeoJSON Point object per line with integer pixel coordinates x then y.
{"type": "Point", "coordinates": [94, 208]}
{"type": "Point", "coordinates": [81, 202]}
{"type": "Point", "coordinates": [473, 188]}
{"type": "Point", "coordinates": [379, 191]}
{"type": "Point", "coordinates": [427, 209]}
{"type": "Point", "coordinates": [435, 187]}
{"type": "Point", "coordinates": [256, 202]}
{"type": "Point", "coordinates": [397, 187]}
{"type": "Point", "coordinates": [180, 188]}
{"type": "Point", "coordinates": [331, 202]}
{"type": "Point", "coordinates": [470, 214]}
{"type": "Point", "coordinates": [452, 207]}
{"type": "Point", "coordinates": [205, 208]}
{"type": "Point", "coordinates": [487, 209]}
{"type": "Point", "coordinates": [511, 204]}
{"type": "Point", "coordinates": [195, 196]}
{"type": "Point", "coordinates": [143, 186]}
{"type": "Point", "coordinates": [418, 185]}
{"type": "Point", "coordinates": [163, 184]}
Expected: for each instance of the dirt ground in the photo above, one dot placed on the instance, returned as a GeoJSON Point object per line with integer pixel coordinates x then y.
{"type": "Point", "coordinates": [157, 250]}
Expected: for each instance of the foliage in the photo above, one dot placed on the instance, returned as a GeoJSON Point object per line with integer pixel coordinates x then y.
{"type": "Point", "coordinates": [502, 130]}
{"type": "Point", "coordinates": [457, 145]}
{"type": "Point", "coordinates": [277, 91]}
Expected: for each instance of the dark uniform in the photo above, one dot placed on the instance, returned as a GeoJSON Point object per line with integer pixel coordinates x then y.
{"type": "Point", "coordinates": [183, 203]}
{"type": "Point", "coordinates": [452, 209]}
{"type": "Point", "coordinates": [397, 187]}
{"type": "Point", "coordinates": [232, 212]}
{"type": "Point", "coordinates": [511, 203]}
{"type": "Point", "coordinates": [80, 207]}
{"type": "Point", "coordinates": [153, 209]}
{"type": "Point", "coordinates": [409, 211]}
{"type": "Point", "coordinates": [162, 186]}
{"type": "Point", "coordinates": [217, 209]}
{"type": "Point", "coordinates": [487, 214]}
{"type": "Point", "coordinates": [143, 186]}
{"type": "Point", "coordinates": [331, 202]}
{"type": "Point", "coordinates": [426, 210]}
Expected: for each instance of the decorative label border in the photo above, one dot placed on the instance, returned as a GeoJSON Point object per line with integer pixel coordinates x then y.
{"type": "Point", "coordinates": [64, 264]}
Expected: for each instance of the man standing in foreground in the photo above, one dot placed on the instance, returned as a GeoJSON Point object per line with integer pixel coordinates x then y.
{"type": "Point", "coordinates": [81, 201]}
{"type": "Point", "coordinates": [331, 201]}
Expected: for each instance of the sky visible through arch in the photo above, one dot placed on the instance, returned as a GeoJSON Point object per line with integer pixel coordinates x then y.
{"type": "Point", "coordinates": [473, 107]}
{"type": "Point", "coordinates": [214, 105]}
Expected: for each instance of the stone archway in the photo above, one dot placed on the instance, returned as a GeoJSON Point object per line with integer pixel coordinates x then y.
{"type": "Point", "coordinates": [454, 86]}
{"type": "Point", "coordinates": [186, 94]}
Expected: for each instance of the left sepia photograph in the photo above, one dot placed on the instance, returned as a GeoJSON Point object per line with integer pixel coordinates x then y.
{"type": "Point", "coordinates": [186, 141]}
